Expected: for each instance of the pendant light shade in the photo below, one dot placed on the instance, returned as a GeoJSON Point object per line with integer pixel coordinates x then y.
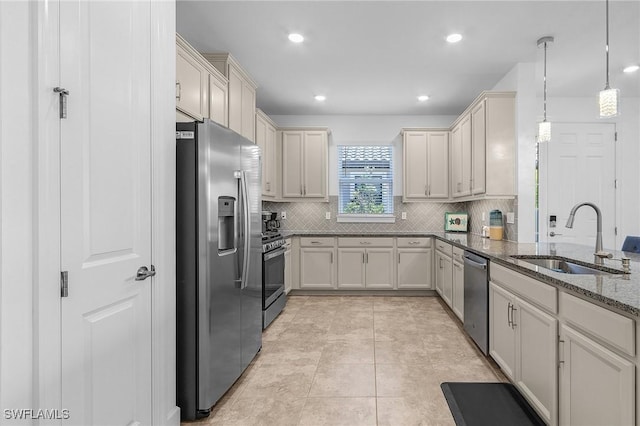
{"type": "Point", "coordinates": [544, 127]}
{"type": "Point", "coordinates": [609, 99]}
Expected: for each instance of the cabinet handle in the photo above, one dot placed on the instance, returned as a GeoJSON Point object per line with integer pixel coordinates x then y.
{"type": "Point", "coordinates": [429, 190]}
{"type": "Point", "coordinates": [301, 193]}
{"type": "Point", "coordinates": [398, 258]}
{"type": "Point", "coordinates": [440, 264]}
{"type": "Point", "coordinates": [316, 242]}
{"type": "Point", "coordinates": [365, 243]}
{"type": "Point", "coordinates": [268, 186]}
{"type": "Point", "coordinates": [560, 352]}
{"type": "Point", "coordinates": [425, 190]}
{"type": "Point", "coordinates": [470, 183]}
{"type": "Point", "coordinates": [513, 317]}
{"type": "Point", "coordinates": [362, 257]}
{"type": "Point", "coordinates": [366, 256]}
{"type": "Point", "coordinates": [331, 257]}
{"type": "Point", "coordinates": [304, 190]}
{"type": "Point", "coordinates": [413, 243]}
{"type": "Point", "coordinates": [178, 90]}
{"type": "Point", "coordinates": [458, 186]}
{"type": "Point", "coordinates": [509, 314]}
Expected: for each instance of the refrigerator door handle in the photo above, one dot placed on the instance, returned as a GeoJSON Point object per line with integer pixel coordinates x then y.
{"type": "Point", "coordinates": [247, 228]}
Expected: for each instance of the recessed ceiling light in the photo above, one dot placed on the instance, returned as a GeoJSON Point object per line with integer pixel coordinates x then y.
{"type": "Point", "coordinates": [296, 38]}
{"type": "Point", "coordinates": [631, 68]}
{"type": "Point", "coordinates": [454, 38]}
{"type": "Point", "coordinates": [423, 98]}
{"type": "Point", "coordinates": [320, 98]}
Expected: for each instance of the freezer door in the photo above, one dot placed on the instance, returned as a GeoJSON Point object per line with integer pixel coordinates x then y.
{"type": "Point", "coordinates": [220, 315]}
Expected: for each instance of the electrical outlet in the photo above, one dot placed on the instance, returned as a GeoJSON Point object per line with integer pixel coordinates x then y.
{"type": "Point", "coordinates": [511, 217]}
{"type": "Point", "coordinates": [327, 215]}
{"type": "Point", "coordinates": [283, 215]}
{"type": "Point", "coordinates": [404, 215]}
{"type": "Point", "coordinates": [483, 217]}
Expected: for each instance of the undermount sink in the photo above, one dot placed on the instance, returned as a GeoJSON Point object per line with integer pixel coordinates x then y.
{"type": "Point", "coordinates": [567, 266]}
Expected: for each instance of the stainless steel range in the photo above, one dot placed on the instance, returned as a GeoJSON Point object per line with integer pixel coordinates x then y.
{"type": "Point", "coordinates": [273, 295]}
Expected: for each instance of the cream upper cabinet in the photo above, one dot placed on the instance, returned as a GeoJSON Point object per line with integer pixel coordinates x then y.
{"type": "Point", "coordinates": [597, 386]}
{"type": "Point", "coordinates": [478, 145]}
{"type": "Point", "coordinates": [266, 140]}
{"type": "Point", "coordinates": [461, 158]}
{"type": "Point", "coordinates": [500, 133]}
{"type": "Point", "coordinates": [426, 160]}
{"type": "Point", "coordinates": [304, 163]}
{"type": "Point", "coordinates": [201, 90]}
{"type": "Point", "coordinates": [242, 94]}
{"type": "Point", "coordinates": [192, 81]}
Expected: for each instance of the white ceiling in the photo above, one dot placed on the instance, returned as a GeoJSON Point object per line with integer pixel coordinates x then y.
{"type": "Point", "coordinates": [376, 57]}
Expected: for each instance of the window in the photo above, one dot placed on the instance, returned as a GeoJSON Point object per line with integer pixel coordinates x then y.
{"type": "Point", "coordinates": [365, 180]}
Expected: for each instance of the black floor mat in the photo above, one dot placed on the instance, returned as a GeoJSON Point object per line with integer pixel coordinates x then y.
{"type": "Point", "coordinates": [488, 404]}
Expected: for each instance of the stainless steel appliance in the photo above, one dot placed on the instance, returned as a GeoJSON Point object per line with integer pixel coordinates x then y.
{"type": "Point", "coordinates": [273, 297]}
{"type": "Point", "coordinates": [218, 262]}
{"type": "Point", "coordinates": [476, 299]}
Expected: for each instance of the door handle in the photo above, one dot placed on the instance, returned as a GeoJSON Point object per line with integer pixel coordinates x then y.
{"type": "Point", "coordinates": [143, 273]}
{"type": "Point", "coordinates": [553, 234]}
{"type": "Point", "coordinates": [63, 100]}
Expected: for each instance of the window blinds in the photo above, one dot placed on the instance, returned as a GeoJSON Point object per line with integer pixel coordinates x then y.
{"type": "Point", "coordinates": [365, 179]}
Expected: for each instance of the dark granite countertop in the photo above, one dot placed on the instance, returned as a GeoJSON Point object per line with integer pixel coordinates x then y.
{"type": "Point", "coordinates": [620, 291]}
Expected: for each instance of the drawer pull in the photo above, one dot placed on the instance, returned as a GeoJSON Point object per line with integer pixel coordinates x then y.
{"type": "Point", "coordinates": [414, 242]}
{"type": "Point", "coordinates": [365, 243]}
{"type": "Point", "coordinates": [316, 242]}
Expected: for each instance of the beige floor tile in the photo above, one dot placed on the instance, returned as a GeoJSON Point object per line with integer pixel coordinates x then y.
{"type": "Point", "coordinates": [344, 380]}
{"type": "Point", "coordinates": [402, 380]}
{"type": "Point", "coordinates": [466, 371]}
{"type": "Point", "coordinates": [305, 331]}
{"type": "Point", "coordinates": [412, 411]}
{"type": "Point", "coordinates": [348, 352]}
{"type": "Point", "coordinates": [279, 381]}
{"type": "Point", "coordinates": [350, 330]}
{"type": "Point", "coordinates": [409, 352]}
{"type": "Point", "coordinates": [339, 412]}
{"type": "Point", "coordinates": [293, 352]}
{"type": "Point", "coordinates": [261, 411]}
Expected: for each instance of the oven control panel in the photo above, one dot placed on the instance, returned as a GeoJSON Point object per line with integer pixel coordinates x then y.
{"type": "Point", "coordinates": [272, 245]}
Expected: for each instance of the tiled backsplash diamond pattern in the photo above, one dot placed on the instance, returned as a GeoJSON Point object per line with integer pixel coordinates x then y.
{"type": "Point", "coordinates": [421, 217]}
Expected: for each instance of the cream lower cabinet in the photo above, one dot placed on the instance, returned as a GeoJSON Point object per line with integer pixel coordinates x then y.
{"type": "Point", "coordinates": [317, 263]}
{"type": "Point", "coordinates": [415, 263]}
{"type": "Point", "coordinates": [444, 277]}
{"type": "Point", "coordinates": [457, 298]}
{"type": "Point", "coordinates": [597, 386]}
{"type": "Point", "coordinates": [365, 268]}
{"type": "Point", "coordinates": [288, 267]}
{"type": "Point", "coordinates": [523, 342]}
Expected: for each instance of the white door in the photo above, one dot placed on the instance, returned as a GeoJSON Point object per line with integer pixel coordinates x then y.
{"type": "Point", "coordinates": [578, 165]}
{"type": "Point", "coordinates": [106, 211]}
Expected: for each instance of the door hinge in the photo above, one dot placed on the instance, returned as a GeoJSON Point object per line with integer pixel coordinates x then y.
{"type": "Point", "coordinates": [64, 284]}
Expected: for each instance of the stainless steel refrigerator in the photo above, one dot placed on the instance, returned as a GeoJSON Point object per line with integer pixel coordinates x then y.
{"type": "Point", "coordinates": [218, 262]}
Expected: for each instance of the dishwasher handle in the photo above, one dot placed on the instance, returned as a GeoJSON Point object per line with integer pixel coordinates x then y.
{"type": "Point", "coordinates": [474, 264]}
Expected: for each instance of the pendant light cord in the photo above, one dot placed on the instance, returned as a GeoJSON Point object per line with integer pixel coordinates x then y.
{"type": "Point", "coordinates": [545, 82]}
{"type": "Point", "coordinates": [607, 43]}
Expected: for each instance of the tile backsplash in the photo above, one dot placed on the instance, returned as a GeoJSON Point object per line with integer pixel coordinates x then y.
{"type": "Point", "coordinates": [421, 217]}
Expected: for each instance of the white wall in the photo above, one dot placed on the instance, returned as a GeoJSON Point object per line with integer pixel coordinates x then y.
{"type": "Point", "coordinates": [16, 207]}
{"type": "Point", "coordinates": [364, 130]}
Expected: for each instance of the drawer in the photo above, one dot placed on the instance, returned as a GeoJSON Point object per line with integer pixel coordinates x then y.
{"type": "Point", "coordinates": [445, 248]}
{"type": "Point", "coordinates": [317, 241]}
{"type": "Point", "coordinates": [458, 254]}
{"type": "Point", "coordinates": [365, 242]}
{"type": "Point", "coordinates": [544, 295]}
{"type": "Point", "coordinates": [413, 242]}
{"type": "Point", "coordinates": [610, 327]}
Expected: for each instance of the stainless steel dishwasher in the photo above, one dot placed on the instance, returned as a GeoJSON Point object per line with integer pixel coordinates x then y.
{"type": "Point", "coordinates": [476, 299]}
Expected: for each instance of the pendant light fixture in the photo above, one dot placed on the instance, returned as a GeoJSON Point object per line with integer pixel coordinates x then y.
{"type": "Point", "coordinates": [609, 98]}
{"type": "Point", "coordinates": [544, 127]}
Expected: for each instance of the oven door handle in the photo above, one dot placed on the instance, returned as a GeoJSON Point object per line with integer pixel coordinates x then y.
{"type": "Point", "coordinates": [275, 253]}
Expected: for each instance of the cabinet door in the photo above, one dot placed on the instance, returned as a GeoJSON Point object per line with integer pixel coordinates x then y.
{"type": "Point", "coordinates": [597, 386]}
{"type": "Point", "coordinates": [465, 137]}
{"type": "Point", "coordinates": [351, 268]}
{"type": "Point", "coordinates": [261, 141]}
{"type": "Point", "coordinates": [415, 165]}
{"type": "Point", "coordinates": [248, 111]}
{"type": "Point", "coordinates": [438, 165]}
{"type": "Point", "coordinates": [379, 265]}
{"type": "Point", "coordinates": [191, 82]}
{"type": "Point", "coordinates": [314, 164]}
{"type": "Point", "coordinates": [502, 345]}
{"type": "Point", "coordinates": [270, 162]}
{"type": "Point", "coordinates": [235, 100]}
{"type": "Point", "coordinates": [287, 269]}
{"type": "Point", "coordinates": [456, 161]}
{"type": "Point", "coordinates": [316, 268]}
{"type": "Point", "coordinates": [478, 143]}
{"type": "Point", "coordinates": [447, 280]}
{"type": "Point", "coordinates": [218, 100]}
{"type": "Point", "coordinates": [439, 272]}
{"type": "Point", "coordinates": [292, 164]}
{"type": "Point", "coordinates": [457, 304]}
{"type": "Point", "coordinates": [414, 269]}
{"type": "Point", "coordinates": [536, 355]}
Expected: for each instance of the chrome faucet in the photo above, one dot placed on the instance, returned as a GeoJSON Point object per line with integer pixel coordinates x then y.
{"type": "Point", "coordinates": [599, 254]}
